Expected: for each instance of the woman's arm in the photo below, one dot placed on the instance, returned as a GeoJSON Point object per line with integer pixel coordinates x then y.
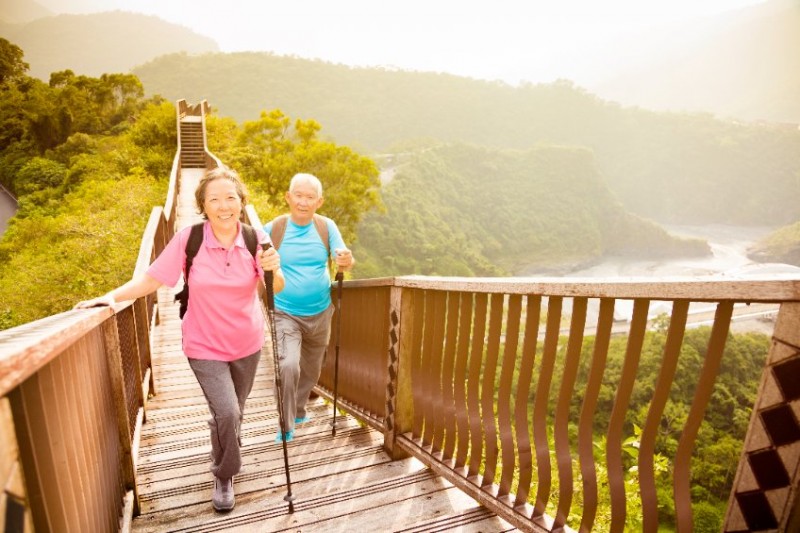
{"type": "Point", "coordinates": [141, 285]}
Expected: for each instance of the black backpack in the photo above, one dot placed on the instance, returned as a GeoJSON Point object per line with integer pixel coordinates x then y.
{"type": "Point", "coordinates": [192, 247]}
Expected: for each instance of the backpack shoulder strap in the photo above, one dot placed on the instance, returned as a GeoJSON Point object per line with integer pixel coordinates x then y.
{"type": "Point", "coordinates": [278, 230]}
{"type": "Point", "coordinates": [192, 247]}
{"type": "Point", "coordinates": [322, 228]}
{"type": "Point", "coordinates": [250, 238]}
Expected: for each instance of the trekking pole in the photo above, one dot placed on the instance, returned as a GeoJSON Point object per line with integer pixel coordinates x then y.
{"type": "Point", "coordinates": [270, 314]}
{"type": "Point", "coordinates": [339, 279]}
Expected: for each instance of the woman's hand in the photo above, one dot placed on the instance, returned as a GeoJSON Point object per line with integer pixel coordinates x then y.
{"type": "Point", "coordinates": [270, 260]}
{"type": "Point", "coordinates": [141, 285]}
{"type": "Point", "coordinates": [100, 301]}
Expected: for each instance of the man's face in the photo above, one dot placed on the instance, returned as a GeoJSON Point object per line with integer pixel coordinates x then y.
{"type": "Point", "coordinates": [303, 202]}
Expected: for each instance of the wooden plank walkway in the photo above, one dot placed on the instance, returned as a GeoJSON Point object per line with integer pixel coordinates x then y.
{"type": "Point", "coordinates": [342, 483]}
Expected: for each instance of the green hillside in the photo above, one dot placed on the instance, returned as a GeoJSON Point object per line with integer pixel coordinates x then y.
{"type": "Point", "coordinates": [673, 168]}
{"type": "Point", "coordinates": [467, 210]}
{"type": "Point", "coordinates": [100, 43]}
{"type": "Point", "coordinates": [781, 246]}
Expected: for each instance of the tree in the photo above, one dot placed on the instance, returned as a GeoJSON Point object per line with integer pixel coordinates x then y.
{"type": "Point", "coordinates": [83, 207]}
{"type": "Point", "coordinates": [270, 150]}
{"type": "Point", "coordinates": [38, 174]}
{"type": "Point", "coordinates": [12, 67]}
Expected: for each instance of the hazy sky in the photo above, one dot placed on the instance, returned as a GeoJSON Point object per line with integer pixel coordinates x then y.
{"type": "Point", "coordinates": [511, 40]}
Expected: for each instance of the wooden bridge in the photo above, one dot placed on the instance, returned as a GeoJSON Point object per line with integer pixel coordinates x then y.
{"type": "Point", "coordinates": [456, 419]}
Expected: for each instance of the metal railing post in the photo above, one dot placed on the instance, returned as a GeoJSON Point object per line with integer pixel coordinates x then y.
{"type": "Point", "coordinates": [399, 401]}
{"type": "Point", "coordinates": [115, 368]}
{"type": "Point", "coordinates": [765, 494]}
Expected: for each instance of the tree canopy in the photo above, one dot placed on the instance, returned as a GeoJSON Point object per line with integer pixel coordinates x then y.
{"type": "Point", "coordinates": [88, 158]}
{"type": "Point", "coordinates": [465, 210]}
{"type": "Point", "coordinates": [272, 149]}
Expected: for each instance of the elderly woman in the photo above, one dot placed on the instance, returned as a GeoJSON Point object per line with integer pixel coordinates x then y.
{"type": "Point", "coordinates": [223, 328]}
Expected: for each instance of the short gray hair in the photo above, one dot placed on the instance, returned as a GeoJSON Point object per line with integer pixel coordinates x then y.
{"type": "Point", "coordinates": [311, 179]}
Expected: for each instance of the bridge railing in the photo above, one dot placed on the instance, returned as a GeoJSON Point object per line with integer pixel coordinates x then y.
{"type": "Point", "coordinates": [73, 393]}
{"type": "Point", "coordinates": [76, 384]}
{"type": "Point", "coordinates": [461, 373]}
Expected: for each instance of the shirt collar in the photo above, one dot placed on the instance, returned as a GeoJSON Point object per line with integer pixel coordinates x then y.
{"type": "Point", "coordinates": [211, 241]}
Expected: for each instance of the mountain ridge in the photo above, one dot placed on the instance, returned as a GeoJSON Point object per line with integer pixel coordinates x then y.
{"type": "Point", "coordinates": [95, 44]}
{"type": "Point", "coordinates": [669, 167]}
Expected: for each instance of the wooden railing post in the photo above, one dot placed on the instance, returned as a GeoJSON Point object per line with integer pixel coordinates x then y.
{"type": "Point", "coordinates": [766, 493]}
{"type": "Point", "coordinates": [141, 326]}
{"type": "Point", "coordinates": [399, 400]}
{"type": "Point", "coordinates": [114, 355]}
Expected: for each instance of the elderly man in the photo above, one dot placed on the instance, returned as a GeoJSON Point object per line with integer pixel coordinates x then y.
{"type": "Point", "coordinates": [303, 309]}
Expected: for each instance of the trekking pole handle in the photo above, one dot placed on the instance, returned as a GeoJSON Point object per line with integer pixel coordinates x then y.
{"type": "Point", "coordinates": [269, 278]}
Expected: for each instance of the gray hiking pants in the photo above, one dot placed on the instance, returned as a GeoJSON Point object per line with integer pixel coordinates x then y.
{"type": "Point", "coordinates": [302, 342]}
{"type": "Point", "coordinates": [226, 386]}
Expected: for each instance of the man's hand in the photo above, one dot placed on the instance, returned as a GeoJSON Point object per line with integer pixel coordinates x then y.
{"type": "Point", "coordinates": [344, 259]}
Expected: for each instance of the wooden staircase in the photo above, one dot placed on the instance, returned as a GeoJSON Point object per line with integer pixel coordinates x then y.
{"type": "Point", "coordinates": [192, 146]}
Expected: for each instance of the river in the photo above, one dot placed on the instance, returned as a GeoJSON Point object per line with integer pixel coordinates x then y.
{"type": "Point", "coordinates": [728, 259]}
{"type": "Point", "coordinates": [728, 244]}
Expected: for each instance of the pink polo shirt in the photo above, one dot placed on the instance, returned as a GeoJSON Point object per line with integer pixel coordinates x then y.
{"type": "Point", "coordinates": [224, 321]}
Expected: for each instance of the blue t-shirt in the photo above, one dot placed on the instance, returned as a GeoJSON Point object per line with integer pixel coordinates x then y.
{"type": "Point", "coordinates": [304, 262]}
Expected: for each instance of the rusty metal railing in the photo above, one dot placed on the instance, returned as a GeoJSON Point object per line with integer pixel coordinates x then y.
{"type": "Point", "coordinates": [466, 372]}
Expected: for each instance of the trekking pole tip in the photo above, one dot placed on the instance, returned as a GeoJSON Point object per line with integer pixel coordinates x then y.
{"type": "Point", "coordinates": [290, 500]}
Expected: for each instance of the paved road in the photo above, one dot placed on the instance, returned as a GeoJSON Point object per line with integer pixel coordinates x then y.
{"type": "Point", "coordinates": [8, 206]}
{"type": "Point", "coordinates": [756, 317]}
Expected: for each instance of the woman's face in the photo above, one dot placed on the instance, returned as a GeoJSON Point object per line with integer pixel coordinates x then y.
{"type": "Point", "coordinates": [222, 204]}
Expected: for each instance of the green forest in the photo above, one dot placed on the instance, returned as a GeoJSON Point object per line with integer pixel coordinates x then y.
{"type": "Point", "coordinates": [464, 210]}
{"type": "Point", "coordinates": [89, 157]}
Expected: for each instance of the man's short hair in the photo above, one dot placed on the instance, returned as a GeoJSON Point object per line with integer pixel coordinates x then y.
{"type": "Point", "coordinates": [311, 179]}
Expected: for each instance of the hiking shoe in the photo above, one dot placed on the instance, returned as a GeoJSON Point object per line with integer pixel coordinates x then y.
{"type": "Point", "coordinates": [223, 498]}
{"type": "Point", "coordinates": [302, 420]}
{"type": "Point", "coordinates": [288, 436]}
